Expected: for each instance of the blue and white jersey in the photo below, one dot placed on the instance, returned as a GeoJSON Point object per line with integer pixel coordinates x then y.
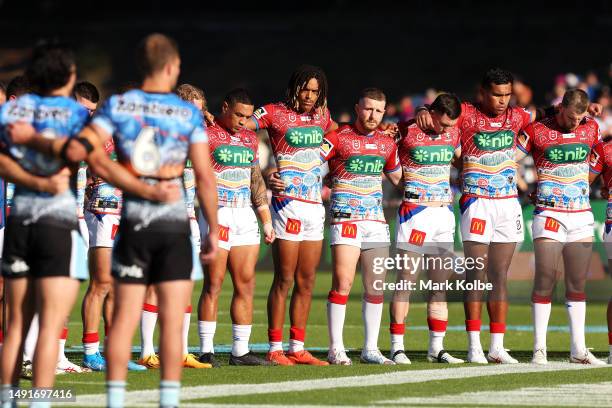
{"type": "Point", "coordinates": [54, 117]}
{"type": "Point", "coordinates": [152, 134]}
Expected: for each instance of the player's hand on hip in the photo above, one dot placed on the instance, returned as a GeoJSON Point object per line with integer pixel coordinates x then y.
{"type": "Point", "coordinates": [269, 235]}
{"type": "Point", "coordinates": [166, 192]}
{"type": "Point", "coordinates": [275, 183]}
{"type": "Point", "coordinates": [423, 120]}
{"type": "Point", "coordinates": [57, 183]}
{"type": "Point", "coordinates": [20, 132]}
{"type": "Point", "coordinates": [209, 248]}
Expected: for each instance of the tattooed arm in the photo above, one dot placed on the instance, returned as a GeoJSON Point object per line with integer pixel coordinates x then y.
{"type": "Point", "coordinates": [259, 198]}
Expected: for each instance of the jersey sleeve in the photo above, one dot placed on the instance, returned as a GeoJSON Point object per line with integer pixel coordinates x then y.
{"type": "Point", "coordinates": [263, 116]}
{"type": "Point", "coordinates": [255, 151]}
{"type": "Point", "coordinates": [596, 160]}
{"type": "Point", "coordinates": [328, 120]}
{"type": "Point", "coordinates": [198, 134]}
{"type": "Point", "coordinates": [525, 139]}
{"type": "Point", "coordinates": [81, 119]}
{"type": "Point", "coordinates": [103, 117]}
{"type": "Point", "coordinates": [328, 147]}
{"type": "Point", "coordinates": [526, 116]}
{"type": "Point", "coordinates": [393, 162]}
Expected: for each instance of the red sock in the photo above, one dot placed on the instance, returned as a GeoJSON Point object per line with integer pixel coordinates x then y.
{"type": "Point", "coordinates": [436, 325]}
{"type": "Point", "coordinates": [149, 308]}
{"type": "Point", "coordinates": [295, 333]}
{"type": "Point", "coordinates": [275, 335]}
{"type": "Point", "coordinates": [472, 325]}
{"type": "Point", "coordinates": [397, 328]}
{"type": "Point", "coordinates": [64, 334]}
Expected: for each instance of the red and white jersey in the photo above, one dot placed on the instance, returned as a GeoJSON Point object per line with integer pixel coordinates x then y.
{"type": "Point", "coordinates": [426, 160]}
{"type": "Point", "coordinates": [562, 163]}
{"type": "Point", "coordinates": [296, 139]}
{"type": "Point", "coordinates": [232, 156]}
{"type": "Point", "coordinates": [488, 145]}
{"type": "Point", "coordinates": [601, 163]}
{"type": "Point", "coordinates": [104, 198]}
{"type": "Point", "coordinates": [356, 165]}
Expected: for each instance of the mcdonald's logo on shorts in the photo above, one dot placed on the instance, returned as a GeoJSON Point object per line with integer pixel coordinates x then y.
{"type": "Point", "coordinates": [293, 226]}
{"type": "Point", "coordinates": [223, 233]}
{"type": "Point", "coordinates": [477, 226]}
{"type": "Point", "coordinates": [551, 225]}
{"type": "Point", "coordinates": [349, 230]}
{"type": "Point", "coordinates": [417, 237]}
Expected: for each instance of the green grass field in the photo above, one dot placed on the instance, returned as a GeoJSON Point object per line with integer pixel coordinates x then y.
{"type": "Point", "coordinates": [421, 384]}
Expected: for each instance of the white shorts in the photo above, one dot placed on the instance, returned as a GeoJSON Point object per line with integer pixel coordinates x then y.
{"type": "Point", "coordinates": [195, 233]}
{"type": "Point", "coordinates": [363, 234]}
{"type": "Point", "coordinates": [296, 220]}
{"type": "Point", "coordinates": [563, 226]}
{"type": "Point", "coordinates": [84, 231]}
{"type": "Point", "coordinates": [489, 220]}
{"type": "Point", "coordinates": [102, 229]}
{"type": "Point", "coordinates": [426, 230]}
{"type": "Point", "coordinates": [237, 227]}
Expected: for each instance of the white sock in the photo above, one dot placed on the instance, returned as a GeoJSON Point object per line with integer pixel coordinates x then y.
{"type": "Point", "coordinates": [30, 340]}
{"type": "Point", "coordinates": [371, 314]}
{"type": "Point", "coordinates": [60, 354]}
{"type": "Point", "coordinates": [576, 311]}
{"type": "Point", "coordinates": [397, 343]}
{"type": "Point", "coordinates": [474, 340]}
{"type": "Point", "coordinates": [186, 323]}
{"type": "Point", "coordinates": [436, 342]}
{"type": "Point", "coordinates": [541, 316]}
{"type": "Point", "coordinates": [207, 335]}
{"type": "Point", "coordinates": [295, 345]}
{"type": "Point", "coordinates": [240, 335]}
{"type": "Point", "coordinates": [335, 324]}
{"type": "Point", "coordinates": [275, 346]}
{"type": "Point", "coordinates": [115, 394]}
{"type": "Point", "coordinates": [497, 341]}
{"type": "Point", "coordinates": [169, 393]}
{"type": "Point", "coordinates": [147, 330]}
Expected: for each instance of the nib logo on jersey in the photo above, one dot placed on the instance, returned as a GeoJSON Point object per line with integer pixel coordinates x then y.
{"type": "Point", "coordinates": [569, 153]}
{"type": "Point", "coordinates": [432, 154]}
{"type": "Point", "coordinates": [500, 140]}
{"type": "Point", "coordinates": [238, 156]}
{"type": "Point", "coordinates": [366, 165]}
{"type": "Point", "coordinates": [304, 136]}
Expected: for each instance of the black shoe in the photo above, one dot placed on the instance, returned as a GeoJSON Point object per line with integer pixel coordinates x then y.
{"type": "Point", "coordinates": [249, 359]}
{"type": "Point", "coordinates": [210, 359]}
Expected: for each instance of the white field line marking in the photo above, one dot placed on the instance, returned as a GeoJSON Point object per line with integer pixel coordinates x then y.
{"type": "Point", "coordinates": [398, 377]}
{"type": "Point", "coordinates": [564, 395]}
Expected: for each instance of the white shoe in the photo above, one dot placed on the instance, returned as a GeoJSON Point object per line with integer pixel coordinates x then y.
{"type": "Point", "coordinates": [65, 366]}
{"type": "Point", "coordinates": [375, 357]}
{"type": "Point", "coordinates": [443, 357]}
{"type": "Point", "coordinates": [501, 356]}
{"type": "Point", "coordinates": [400, 357]}
{"type": "Point", "coordinates": [539, 357]}
{"type": "Point", "coordinates": [586, 357]}
{"type": "Point", "coordinates": [338, 357]}
{"type": "Point", "coordinates": [476, 355]}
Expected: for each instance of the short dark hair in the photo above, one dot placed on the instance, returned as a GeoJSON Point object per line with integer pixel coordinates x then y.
{"type": "Point", "coordinates": [51, 67]}
{"type": "Point", "coordinates": [577, 99]}
{"type": "Point", "coordinates": [298, 81]}
{"type": "Point", "coordinates": [86, 90]}
{"type": "Point", "coordinates": [154, 52]}
{"type": "Point", "coordinates": [373, 93]}
{"type": "Point", "coordinates": [238, 95]}
{"type": "Point", "coordinates": [17, 86]}
{"type": "Point", "coordinates": [447, 104]}
{"type": "Point", "coordinates": [496, 76]}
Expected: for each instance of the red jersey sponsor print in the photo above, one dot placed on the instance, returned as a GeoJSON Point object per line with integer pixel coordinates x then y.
{"type": "Point", "coordinates": [356, 164]}
{"type": "Point", "coordinates": [104, 198]}
{"type": "Point", "coordinates": [296, 139]}
{"type": "Point", "coordinates": [488, 145]}
{"type": "Point", "coordinates": [232, 156]}
{"type": "Point", "coordinates": [562, 163]}
{"type": "Point", "coordinates": [601, 162]}
{"type": "Point", "coordinates": [426, 161]}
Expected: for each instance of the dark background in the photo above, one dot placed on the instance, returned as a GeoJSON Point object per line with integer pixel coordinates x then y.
{"type": "Point", "coordinates": [402, 47]}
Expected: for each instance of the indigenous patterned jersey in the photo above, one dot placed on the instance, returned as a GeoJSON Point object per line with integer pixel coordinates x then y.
{"type": "Point", "coordinates": [232, 156]}
{"type": "Point", "coordinates": [488, 146]}
{"type": "Point", "coordinates": [54, 117]}
{"type": "Point", "coordinates": [152, 133]}
{"type": "Point", "coordinates": [562, 163]}
{"type": "Point", "coordinates": [81, 185]}
{"type": "Point", "coordinates": [296, 139]}
{"type": "Point", "coordinates": [601, 162]}
{"type": "Point", "coordinates": [190, 190]}
{"type": "Point", "coordinates": [104, 198]}
{"type": "Point", "coordinates": [426, 161]}
{"type": "Point", "coordinates": [356, 164]}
